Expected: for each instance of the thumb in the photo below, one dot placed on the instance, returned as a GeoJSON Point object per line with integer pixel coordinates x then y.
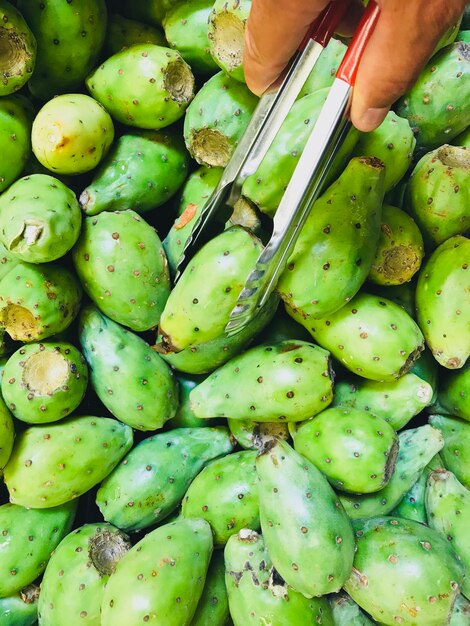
{"type": "Point", "coordinates": [401, 44]}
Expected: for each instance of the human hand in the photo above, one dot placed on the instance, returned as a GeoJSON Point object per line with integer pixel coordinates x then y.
{"type": "Point", "coordinates": [401, 44]}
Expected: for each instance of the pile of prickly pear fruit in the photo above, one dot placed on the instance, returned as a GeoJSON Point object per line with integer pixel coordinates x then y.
{"type": "Point", "coordinates": [313, 469]}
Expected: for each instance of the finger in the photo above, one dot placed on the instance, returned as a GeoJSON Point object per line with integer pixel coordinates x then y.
{"type": "Point", "coordinates": [274, 30]}
{"type": "Point", "coordinates": [401, 44]}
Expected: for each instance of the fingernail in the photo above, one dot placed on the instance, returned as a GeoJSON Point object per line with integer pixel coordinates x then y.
{"type": "Point", "coordinates": [371, 119]}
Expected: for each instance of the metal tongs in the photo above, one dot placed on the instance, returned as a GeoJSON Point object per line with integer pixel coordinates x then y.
{"type": "Point", "coordinates": [306, 184]}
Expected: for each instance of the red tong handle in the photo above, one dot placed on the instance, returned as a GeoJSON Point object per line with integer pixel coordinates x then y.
{"type": "Point", "coordinates": [323, 28]}
{"type": "Point", "coordinates": [347, 71]}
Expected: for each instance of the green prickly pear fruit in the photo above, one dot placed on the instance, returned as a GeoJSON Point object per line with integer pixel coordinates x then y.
{"type": "Point", "coordinates": [252, 435]}
{"type": "Point", "coordinates": [397, 402]}
{"type": "Point", "coordinates": [371, 336]}
{"type": "Point", "coordinates": [355, 450]}
{"type": "Point", "coordinates": [306, 530]}
{"type": "Point", "coordinates": [44, 382]}
{"type": "Point", "coordinates": [335, 250]}
{"type": "Point", "coordinates": [463, 139]}
{"type": "Point", "coordinates": [148, 11]}
{"type": "Point", "coordinates": [161, 579]}
{"type": "Point", "coordinates": [131, 380]}
{"type": "Point", "coordinates": [417, 447]}
{"type": "Point", "coordinates": [346, 612]}
{"type": "Point", "coordinates": [194, 196]}
{"type": "Point", "coordinates": [324, 72]}
{"type": "Point", "coordinates": [463, 35]}
{"type": "Point", "coordinates": [283, 328]}
{"type": "Point", "coordinates": [184, 417]}
{"type": "Point", "coordinates": [257, 594]}
{"type": "Point", "coordinates": [69, 40]}
{"type": "Point", "coordinates": [185, 26]}
{"type": "Point", "coordinates": [460, 612]}
{"type": "Point", "coordinates": [436, 106]}
{"type": "Point", "coordinates": [400, 249]}
{"type": "Point", "coordinates": [227, 259]}
{"type": "Point", "coordinates": [426, 368]}
{"type": "Point", "coordinates": [120, 261]}
{"type": "Point", "coordinates": [454, 393]}
{"type": "Point", "coordinates": [123, 33]}
{"type": "Point", "coordinates": [151, 481]}
{"type": "Point", "coordinates": [226, 34]}
{"type": "Point", "coordinates": [20, 609]}
{"type": "Point", "coordinates": [143, 170]}
{"type": "Point", "coordinates": [403, 294]}
{"type": "Point", "coordinates": [73, 583]}
{"type": "Point", "coordinates": [72, 134]}
{"type": "Point", "coordinates": [202, 358]}
{"type": "Point", "coordinates": [404, 572]}
{"type": "Point", "coordinates": [448, 511]}
{"type": "Point", "coordinates": [437, 194]}
{"type": "Point", "coordinates": [393, 142]}
{"type": "Point", "coordinates": [287, 382]}
{"type": "Point", "coordinates": [40, 219]}
{"type": "Point", "coordinates": [54, 463]}
{"type": "Point", "coordinates": [18, 50]}
{"type": "Point", "coordinates": [212, 609]}
{"type": "Point", "coordinates": [147, 86]}
{"type": "Point", "coordinates": [456, 451]}
{"type": "Point", "coordinates": [443, 302]}
{"type": "Point", "coordinates": [449, 36]}
{"type": "Point", "coordinates": [7, 434]}
{"type": "Point", "coordinates": [212, 131]}
{"type": "Point", "coordinates": [16, 120]}
{"type": "Point", "coordinates": [27, 539]}
{"type": "Point", "coordinates": [38, 301]}
{"type": "Point", "coordinates": [225, 494]}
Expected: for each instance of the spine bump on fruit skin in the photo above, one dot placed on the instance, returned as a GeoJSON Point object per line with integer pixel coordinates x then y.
{"type": "Point", "coordinates": [16, 120]}
{"type": "Point", "coordinates": [456, 451]}
{"type": "Point", "coordinates": [18, 50]}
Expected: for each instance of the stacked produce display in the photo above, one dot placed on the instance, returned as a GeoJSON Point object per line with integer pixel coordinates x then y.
{"type": "Point", "coordinates": [313, 468]}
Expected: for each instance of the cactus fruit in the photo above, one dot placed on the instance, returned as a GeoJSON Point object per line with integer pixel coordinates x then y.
{"type": "Point", "coordinates": [143, 170]}
{"type": "Point", "coordinates": [400, 250]}
{"type": "Point", "coordinates": [404, 573]}
{"type": "Point", "coordinates": [184, 416]}
{"type": "Point", "coordinates": [456, 451]}
{"type": "Point", "coordinates": [448, 511]}
{"type": "Point", "coordinates": [27, 539]}
{"type": "Point", "coordinates": [73, 583]}
{"type": "Point", "coordinates": [212, 132]}
{"type": "Point", "coordinates": [436, 105]}
{"type": "Point", "coordinates": [252, 435]}
{"type": "Point", "coordinates": [437, 194]}
{"type": "Point", "coordinates": [393, 142]}
{"type": "Point", "coordinates": [303, 522]}
{"type": "Point", "coordinates": [20, 609]}
{"type": "Point", "coordinates": [123, 33]}
{"type": "Point", "coordinates": [226, 34]}
{"type": "Point", "coordinates": [40, 219]}
{"type": "Point", "coordinates": [192, 200]}
{"type": "Point", "coordinates": [225, 494]}
{"type": "Point", "coordinates": [161, 579]}
{"type": "Point", "coordinates": [148, 11]}
{"type": "Point", "coordinates": [7, 434]}
{"type": "Point", "coordinates": [454, 393]}
{"type": "Point", "coordinates": [463, 139]}
{"type": "Point", "coordinates": [256, 592]}
{"type": "Point", "coordinates": [346, 612]}
{"type": "Point", "coordinates": [371, 336]}
{"type": "Point", "coordinates": [16, 119]}
{"type": "Point", "coordinates": [287, 382]}
{"type": "Point", "coordinates": [131, 379]}
{"type": "Point", "coordinates": [72, 134]}
{"type": "Point", "coordinates": [18, 56]}
{"type": "Point", "coordinates": [324, 71]}
{"type": "Point", "coordinates": [227, 259]}
{"type": "Point", "coordinates": [54, 463]}
{"type": "Point", "coordinates": [460, 612]}
{"type": "Point", "coordinates": [443, 302]}
{"type": "Point", "coordinates": [283, 328]}
{"type": "Point", "coordinates": [335, 250]}
{"type": "Point", "coordinates": [38, 301]}
{"type": "Point", "coordinates": [185, 26]}
{"type": "Point", "coordinates": [397, 402]}
{"type": "Point", "coordinates": [69, 40]}
{"type": "Point", "coordinates": [417, 447]}
{"type": "Point", "coordinates": [403, 294]}
{"type": "Point", "coordinates": [44, 382]}
{"type": "Point", "coordinates": [147, 86]}
{"type": "Point", "coordinates": [449, 36]}
{"type": "Point", "coordinates": [121, 263]}
{"type": "Point", "coordinates": [355, 450]}
{"type": "Point", "coordinates": [212, 609]}
{"type": "Point", "coordinates": [151, 481]}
